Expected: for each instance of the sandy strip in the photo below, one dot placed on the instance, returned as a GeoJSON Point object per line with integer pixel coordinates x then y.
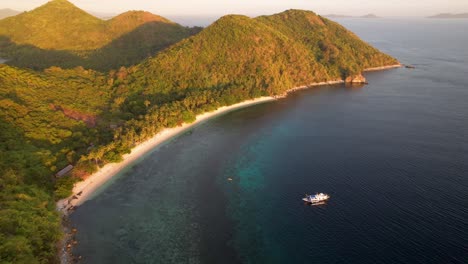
{"type": "Point", "coordinates": [83, 189]}
{"type": "Point", "coordinates": [383, 68]}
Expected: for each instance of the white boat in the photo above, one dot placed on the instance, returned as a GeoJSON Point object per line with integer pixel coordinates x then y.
{"type": "Point", "coordinates": [317, 198]}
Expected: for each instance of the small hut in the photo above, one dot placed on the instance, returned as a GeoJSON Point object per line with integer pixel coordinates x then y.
{"type": "Point", "coordinates": [64, 171]}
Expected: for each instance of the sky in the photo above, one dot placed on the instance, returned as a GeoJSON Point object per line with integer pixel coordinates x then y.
{"type": "Point", "coordinates": [256, 7]}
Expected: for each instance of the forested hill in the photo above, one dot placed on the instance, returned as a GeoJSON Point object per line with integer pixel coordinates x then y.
{"type": "Point", "coordinates": [56, 117]}
{"type": "Point", "coordinates": [60, 34]}
{"type": "Point", "coordinates": [335, 47]}
{"type": "Point", "coordinates": [235, 50]}
{"type": "Point", "coordinates": [267, 54]}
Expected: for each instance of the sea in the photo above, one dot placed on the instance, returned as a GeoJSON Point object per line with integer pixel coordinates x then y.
{"type": "Point", "coordinates": [393, 156]}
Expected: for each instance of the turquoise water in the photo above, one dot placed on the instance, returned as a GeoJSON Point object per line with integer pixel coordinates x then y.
{"type": "Point", "coordinates": [392, 155]}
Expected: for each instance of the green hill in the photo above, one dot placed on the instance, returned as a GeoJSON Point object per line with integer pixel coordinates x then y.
{"type": "Point", "coordinates": [60, 25]}
{"type": "Point", "coordinates": [60, 34]}
{"type": "Point", "coordinates": [268, 54]}
{"type": "Point", "coordinates": [57, 25]}
{"type": "Point", "coordinates": [340, 50]}
{"type": "Point", "coordinates": [235, 50]}
{"type": "Point", "coordinates": [130, 20]}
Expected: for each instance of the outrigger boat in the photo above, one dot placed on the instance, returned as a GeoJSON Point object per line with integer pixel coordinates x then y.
{"type": "Point", "coordinates": [318, 198]}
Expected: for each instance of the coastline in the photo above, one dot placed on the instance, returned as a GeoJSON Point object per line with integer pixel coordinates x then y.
{"type": "Point", "coordinates": [84, 189]}
{"type": "Point", "coordinates": [310, 86]}
{"type": "Point", "coordinates": [381, 68]}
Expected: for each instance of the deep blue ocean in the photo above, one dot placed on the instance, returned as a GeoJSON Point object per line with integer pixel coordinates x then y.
{"type": "Point", "coordinates": [393, 155]}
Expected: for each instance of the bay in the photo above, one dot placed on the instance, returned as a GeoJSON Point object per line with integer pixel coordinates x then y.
{"type": "Point", "coordinates": [392, 155]}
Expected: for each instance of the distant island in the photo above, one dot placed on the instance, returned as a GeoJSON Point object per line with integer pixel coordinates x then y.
{"type": "Point", "coordinates": [450, 15]}
{"type": "Point", "coordinates": [369, 16]}
{"type": "Point", "coordinates": [348, 16]}
{"type": "Point", "coordinates": [6, 12]}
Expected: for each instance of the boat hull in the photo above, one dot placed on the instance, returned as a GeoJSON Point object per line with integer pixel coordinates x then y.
{"type": "Point", "coordinates": [313, 202]}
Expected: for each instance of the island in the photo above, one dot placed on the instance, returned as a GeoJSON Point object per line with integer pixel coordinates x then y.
{"type": "Point", "coordinates": [450, 15]}
{"type": "Point", "coordinates": [71, 108]}
{"type": "Point", "coordinates": [370, 16]}
{"type": "Point", "coordinates": [337, 16]}
{"type": "Point", "coordinates": [349, 16]}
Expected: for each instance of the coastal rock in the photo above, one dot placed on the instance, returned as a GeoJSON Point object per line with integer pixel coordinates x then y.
{"type": "Point", "coordinates": [358, 78]}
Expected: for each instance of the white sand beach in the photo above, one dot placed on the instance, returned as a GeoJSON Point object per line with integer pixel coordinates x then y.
{"type": "Point", "coordinates": [83, 189]}
{"type": "Point", "coordinates": [383, 68]}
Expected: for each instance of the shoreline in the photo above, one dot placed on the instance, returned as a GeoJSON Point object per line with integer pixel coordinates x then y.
{"type": "Point", "coordinates": [310, 86]}
{"type": "Point", "coordinates": [83, 190]}
{"type": "Point", "coordinates": [381, 68]}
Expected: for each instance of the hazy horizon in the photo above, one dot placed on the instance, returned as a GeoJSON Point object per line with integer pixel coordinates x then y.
{"type": "Point", "coordinates": [397, 8]}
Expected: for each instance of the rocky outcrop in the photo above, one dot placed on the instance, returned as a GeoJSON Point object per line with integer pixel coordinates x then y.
{"type": "Point", "coordinates": [358, 78]}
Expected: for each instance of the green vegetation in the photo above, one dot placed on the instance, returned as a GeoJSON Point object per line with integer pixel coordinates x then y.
{"type": "Point", "coordinates": [42, 128]}
{"type": "Point", "coordinates": [56, 117]}
{"type": "Point", "coordinates": [269, 54]}
{"type": "Point", "coordinates": [29, 224]}
{"type": "Point", "coordinates": [333, 46]}
{"type": "Point", "coordinates": [60, 34]}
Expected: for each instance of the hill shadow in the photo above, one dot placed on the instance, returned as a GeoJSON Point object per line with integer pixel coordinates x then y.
{"type": "Point", "coordinates": [32, 57]}
{"type": "Point", "coordinates": [126, 50]}
{"type": "Point", "coordinates": [143, 42]}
